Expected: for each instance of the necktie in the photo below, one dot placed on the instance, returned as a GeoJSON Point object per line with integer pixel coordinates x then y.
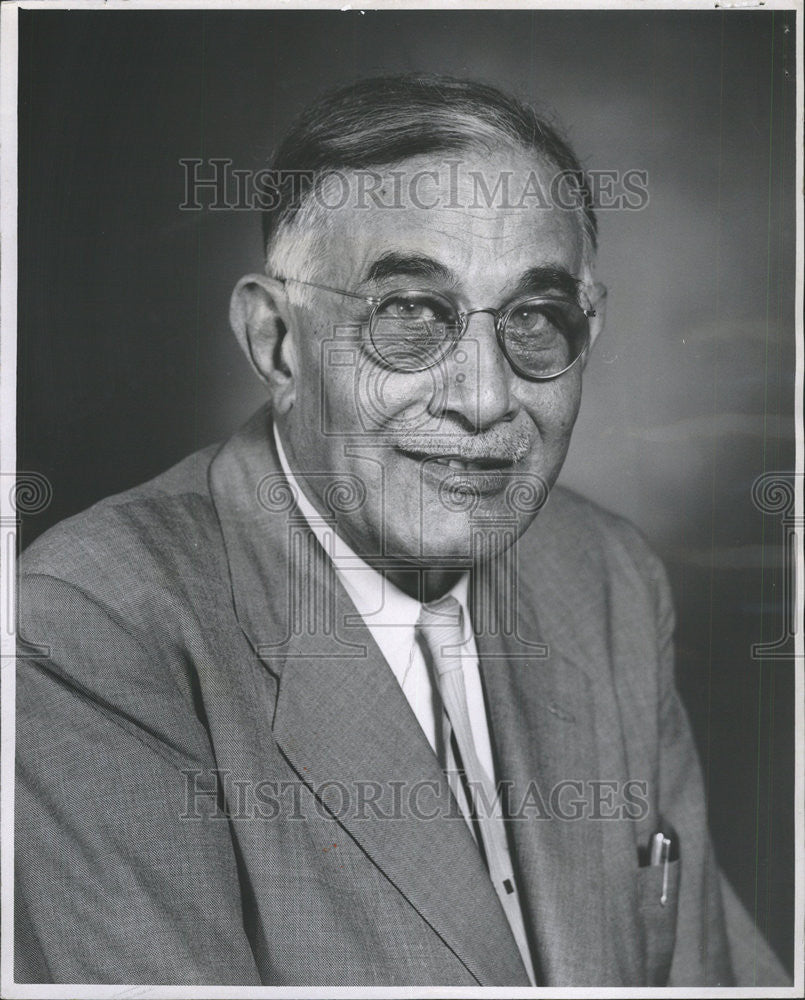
{"type": "Point", "coordinates": [441, 627]}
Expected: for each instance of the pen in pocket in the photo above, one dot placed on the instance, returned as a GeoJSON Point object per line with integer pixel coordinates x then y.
{"type": "Point", "coordinates": [661, 855]}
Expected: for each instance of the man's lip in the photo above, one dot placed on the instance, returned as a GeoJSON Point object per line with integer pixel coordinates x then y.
{"type": "Point", "coordinates": [464, 476]}
{"type": "Point", "coordinates": [462, 463]}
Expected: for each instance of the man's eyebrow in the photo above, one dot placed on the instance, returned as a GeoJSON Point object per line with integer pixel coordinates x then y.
{"type": "Point", "coordinates": [546, 279]}
{"type": "Point", "coordinates": [395, 263]}
{"type": "Point", "coordinates": [534, 280]}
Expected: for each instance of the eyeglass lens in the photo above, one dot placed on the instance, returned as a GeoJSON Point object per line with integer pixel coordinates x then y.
{"type": "Point", "coordinates": [541, 336]}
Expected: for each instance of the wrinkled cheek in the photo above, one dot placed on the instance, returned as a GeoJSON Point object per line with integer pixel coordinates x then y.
{"type": "Point", "coordinates": [327, 403]}
{"type": "Point", "coordinates": [556, 411]}
{"type": "Point", "coordinates": [391, 401]}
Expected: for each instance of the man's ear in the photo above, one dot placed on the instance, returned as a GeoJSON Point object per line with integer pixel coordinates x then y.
{"type": "Point", "coordinates": [260, 317]}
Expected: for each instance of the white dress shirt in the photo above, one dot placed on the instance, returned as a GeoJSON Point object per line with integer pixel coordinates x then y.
{"type": "Point", "coordinates": [391, 617]}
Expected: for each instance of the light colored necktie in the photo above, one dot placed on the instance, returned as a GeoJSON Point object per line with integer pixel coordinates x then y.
{"type": "Point", "coordinates": [441, 627]}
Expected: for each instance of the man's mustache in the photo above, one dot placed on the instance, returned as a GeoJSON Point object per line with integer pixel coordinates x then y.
{"type": "Point", "coordinates": [500, 444]}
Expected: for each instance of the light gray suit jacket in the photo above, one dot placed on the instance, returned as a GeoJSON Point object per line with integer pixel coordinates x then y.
{"type": "Point", "coordinates": [165, 657]}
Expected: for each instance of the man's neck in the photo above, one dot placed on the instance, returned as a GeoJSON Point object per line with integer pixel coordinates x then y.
{"type": "Point", "coordinates": [424, 585]}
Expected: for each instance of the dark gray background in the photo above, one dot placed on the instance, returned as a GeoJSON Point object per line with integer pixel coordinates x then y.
{"type": "Point", "coordinates": [126, 363]}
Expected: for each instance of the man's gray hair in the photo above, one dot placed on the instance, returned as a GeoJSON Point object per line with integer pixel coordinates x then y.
{"type": "Point", "coordinates": [379, 121]}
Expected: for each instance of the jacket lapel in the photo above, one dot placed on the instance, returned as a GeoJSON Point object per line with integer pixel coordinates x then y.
{"type": "Point", "coordinates": [576, 874]}
{"type": "Point", "coordinates": [340, 714]}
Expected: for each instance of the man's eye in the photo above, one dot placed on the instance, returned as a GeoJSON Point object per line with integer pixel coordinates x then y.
{"type": "Point", "coordinates": [530, 319]}
{"type": "Point", "coordinates": [409, 310]}
{"type": "Point", "coordinates": [412, 309]}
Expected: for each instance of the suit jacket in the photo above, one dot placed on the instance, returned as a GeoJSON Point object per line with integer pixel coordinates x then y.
{"type": "Point", "coordinates": [220, 781]}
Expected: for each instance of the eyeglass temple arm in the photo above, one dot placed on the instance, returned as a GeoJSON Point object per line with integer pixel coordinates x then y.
{"type": "Point", "coordinates": [370, 299]}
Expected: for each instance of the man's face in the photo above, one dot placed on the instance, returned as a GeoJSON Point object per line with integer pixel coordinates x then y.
{"type": "Point", "coordinates": [452, 453]}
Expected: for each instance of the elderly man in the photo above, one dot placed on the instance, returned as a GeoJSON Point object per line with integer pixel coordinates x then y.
{"type": "Point", "coordinates": [351, 700]}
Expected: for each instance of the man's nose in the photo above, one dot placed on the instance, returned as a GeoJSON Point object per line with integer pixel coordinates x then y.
{"type": "Point", "coordinates": [479, 376]}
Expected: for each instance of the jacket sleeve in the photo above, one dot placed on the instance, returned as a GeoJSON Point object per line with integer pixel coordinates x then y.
{"type": "Point", "coordinates": [717, 943]}
{"type": "Point", "coordinates": [118, 878]}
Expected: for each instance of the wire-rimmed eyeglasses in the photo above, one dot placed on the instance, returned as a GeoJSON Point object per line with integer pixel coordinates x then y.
{"type": "Point", "coordinates": [410, 330]}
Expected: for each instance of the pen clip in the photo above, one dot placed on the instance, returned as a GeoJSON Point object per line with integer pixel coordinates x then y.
{"type": "Point", "coordinates": [661, 855]}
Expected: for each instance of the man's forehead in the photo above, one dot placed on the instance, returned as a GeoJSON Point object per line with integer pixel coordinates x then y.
{"type": "Point", "coordinates": [476, 214]}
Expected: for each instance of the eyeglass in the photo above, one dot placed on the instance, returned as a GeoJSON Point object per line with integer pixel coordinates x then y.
{"type": "Point", "coordinates": [541, 336]}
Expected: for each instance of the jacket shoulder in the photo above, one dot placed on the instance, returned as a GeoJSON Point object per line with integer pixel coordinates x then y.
{"type": "Point", "coordinates": [149, 561]}
{"type": "Point", "coordinates": [598, 587]}
{"type": "Point", "coordinates": [126, 535]}
{"type": "Point", "coordinates": [584, 532]}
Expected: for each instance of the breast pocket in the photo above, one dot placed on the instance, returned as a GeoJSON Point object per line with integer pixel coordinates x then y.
{"type": "Point", "coordinates": [658, 895]}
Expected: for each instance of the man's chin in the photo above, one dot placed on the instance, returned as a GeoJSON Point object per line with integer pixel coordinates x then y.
{"type": "Point", "coordinates": [461, 539]}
